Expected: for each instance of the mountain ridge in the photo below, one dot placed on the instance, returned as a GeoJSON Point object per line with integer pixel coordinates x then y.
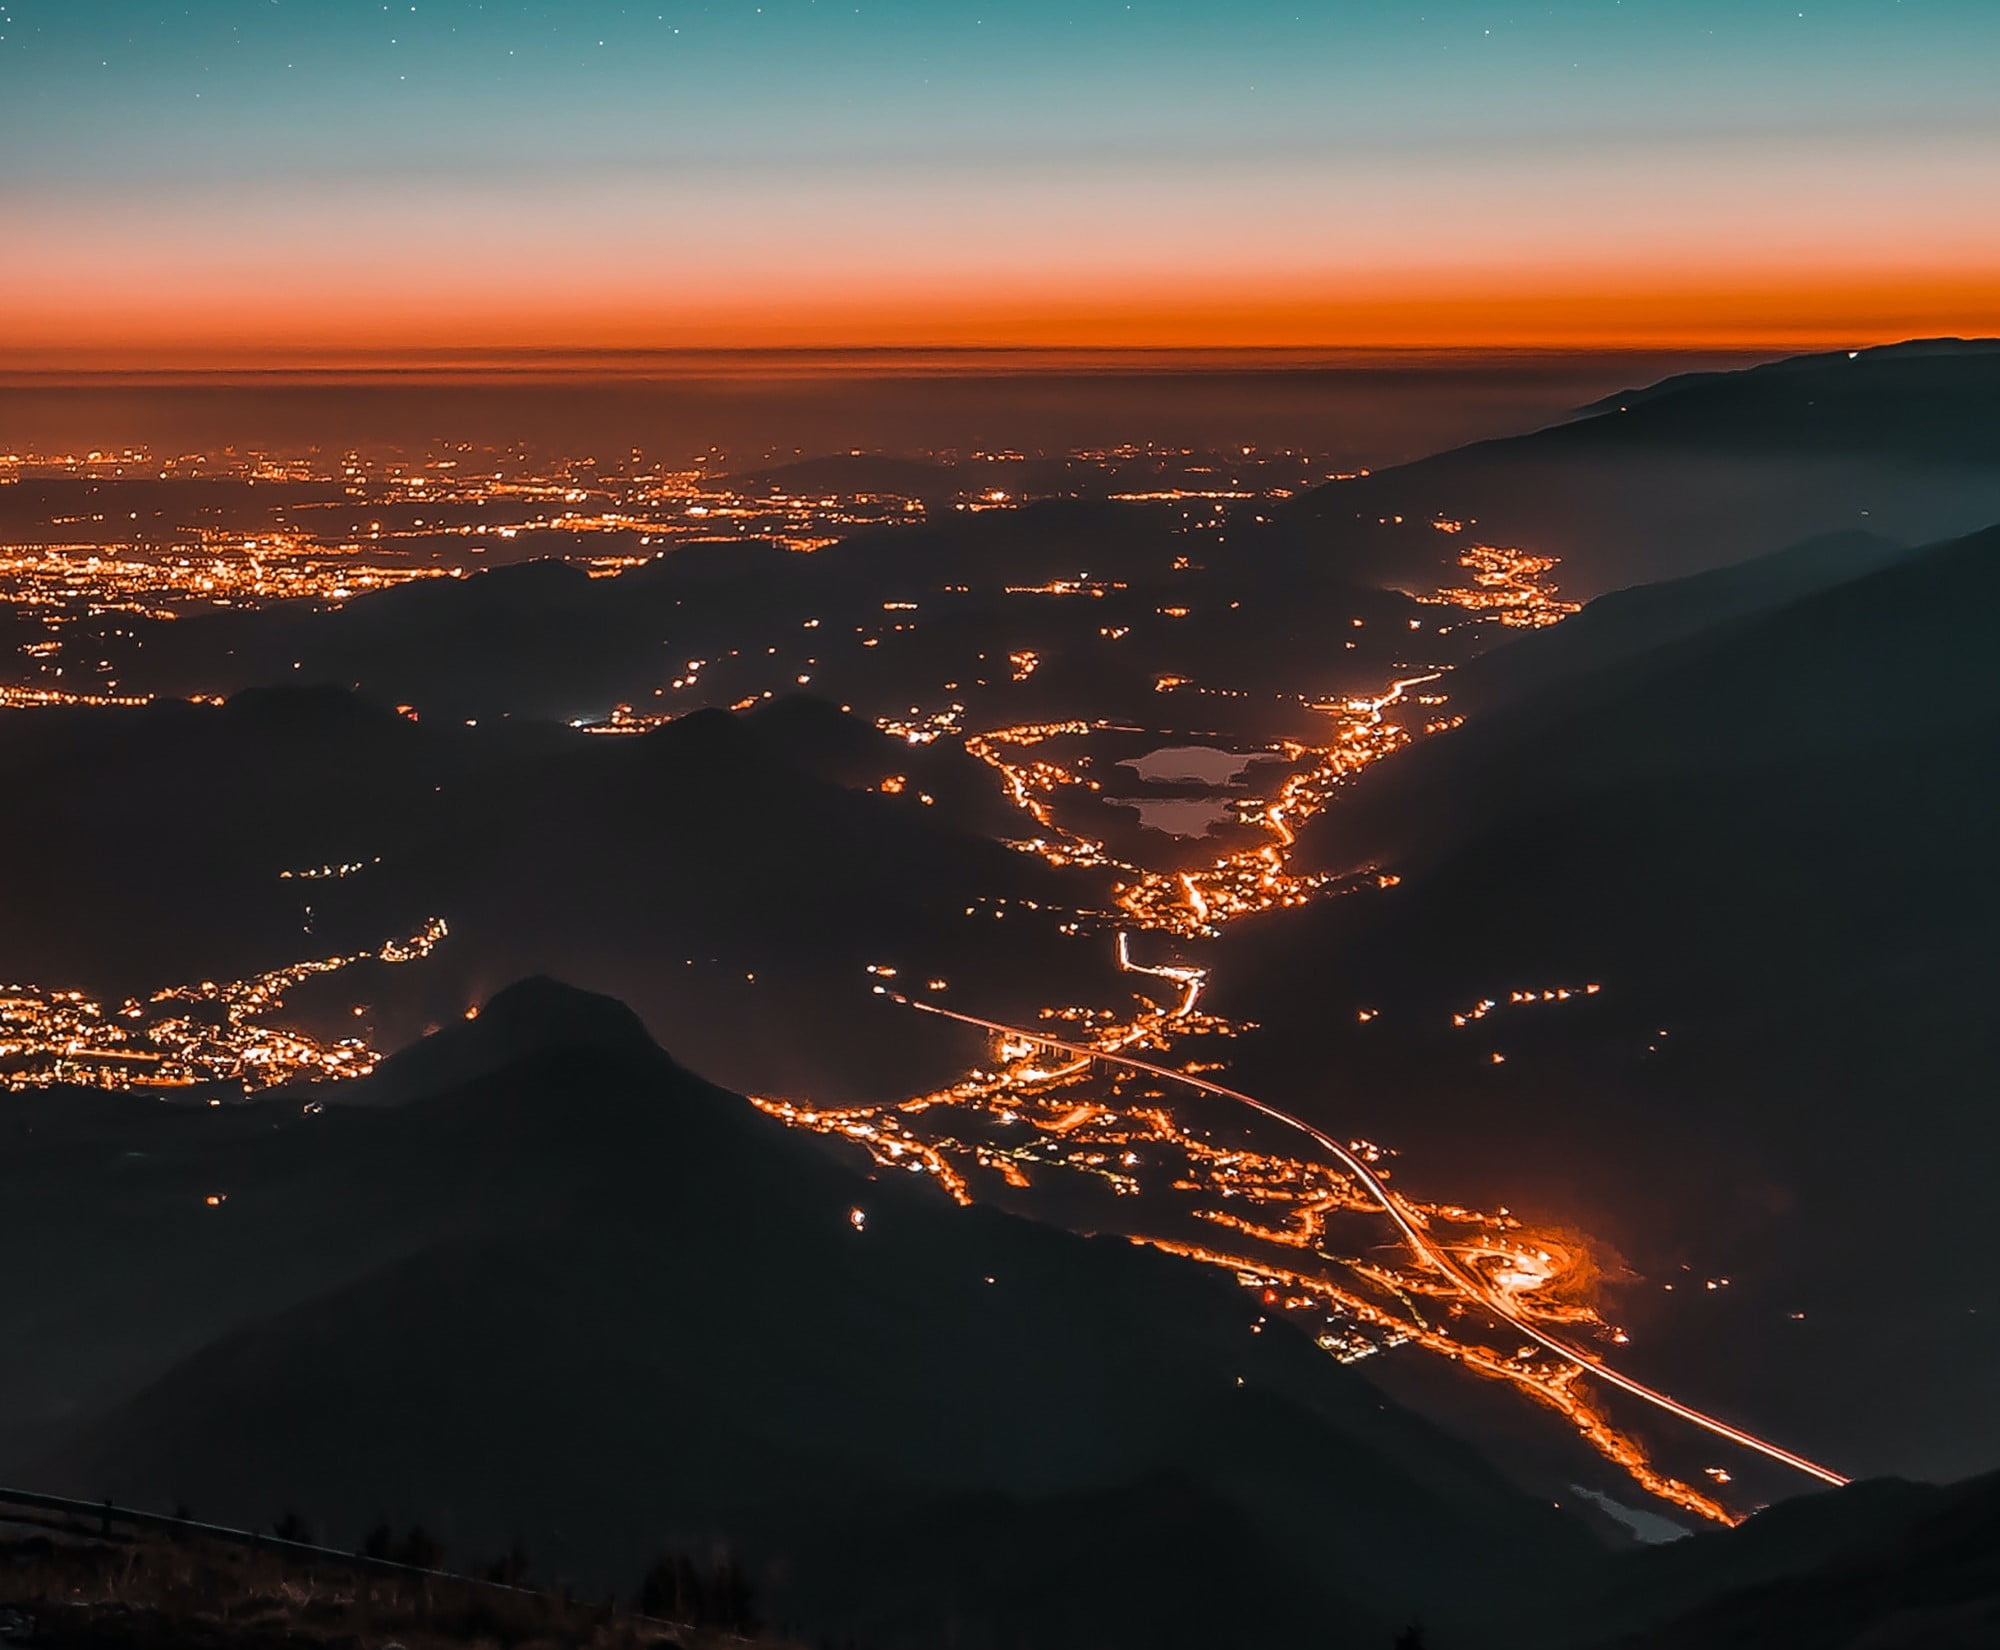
{"type": "Point", "coordinates": [646, 1272]}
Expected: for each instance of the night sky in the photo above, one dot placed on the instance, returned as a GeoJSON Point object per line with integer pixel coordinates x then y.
{"type": "Point", "coordinates": [283, 176]}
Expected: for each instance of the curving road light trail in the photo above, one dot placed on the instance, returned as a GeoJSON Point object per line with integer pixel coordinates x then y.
{"type": "Point", "coordinates": [1418, 1241]}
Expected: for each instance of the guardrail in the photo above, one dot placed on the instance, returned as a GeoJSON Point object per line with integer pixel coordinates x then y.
{"type": "Point", "coordinates": [104, 1518]}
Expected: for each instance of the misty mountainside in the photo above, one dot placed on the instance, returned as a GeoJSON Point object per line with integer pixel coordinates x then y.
{"type": "Point", "coordinates": [1693, 473]}
{"type": "Point", "coordinates": [722, 872]}
{"type": "Point", "coordinates": [1666, 679]}
{"type": "Point", "coordinates": [1067, 609]}
{"type": "Point", "coordinates": [1639, 618]}
{"type": "Point", "coordinates": [558, 1290]}
{"type": "Point", "coordinates": [1770, 846]}
{"type": "Point", "coordinates": [1793, 398]}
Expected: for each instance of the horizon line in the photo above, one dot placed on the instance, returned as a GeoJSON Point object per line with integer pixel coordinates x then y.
{"type": "Point", "coordinates": [37, 370]}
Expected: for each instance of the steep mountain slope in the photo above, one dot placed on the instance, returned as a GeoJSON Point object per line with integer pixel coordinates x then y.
{"type": "Point", "coordinates": [1871, 661]}
{"type": "Point", "coordinates": [594, 1303]}
{"type": "Point", "coordinates": [1770, 844]}
{"type": "Point", "coordinates": [1633, 621]}
{"type": "Point", "coordinates": [1883, 1565]}
{"type": "Point", "coordinates": [1694, 473]}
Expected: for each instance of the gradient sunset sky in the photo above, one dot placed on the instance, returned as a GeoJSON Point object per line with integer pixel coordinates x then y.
{"type": "Point", "coordinates": [282, 179]}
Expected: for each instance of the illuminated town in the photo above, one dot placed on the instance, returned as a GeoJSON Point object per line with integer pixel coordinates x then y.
{"type": "Point", "coordinates": [1510, 585]}
{"type": "Point", "coordinates": [93, 544]}
{"type": "Point", "coordinates": [1299, 1230]}
{"type": "Point", "coordinates": [332, 526]}
{"type": "Point", "coordinates": [1025, 827]}
{"type": "Point", "coordinates": [187, 1036]}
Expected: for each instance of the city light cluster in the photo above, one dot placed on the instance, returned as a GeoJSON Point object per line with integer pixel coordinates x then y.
{"type": "Point", "coordinates": [186, 1036]}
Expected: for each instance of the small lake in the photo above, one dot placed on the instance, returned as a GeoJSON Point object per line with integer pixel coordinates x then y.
{"type": "Point", "coordinates": [1195, 764]}
{"type": "Point", "coordinates": [1177, 815]}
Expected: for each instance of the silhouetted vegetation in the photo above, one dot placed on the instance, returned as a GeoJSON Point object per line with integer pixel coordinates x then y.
{"type": "Point", "coordinates": [417, 1547]}
{"type": "Point", "coordinates": [85, 1593]}
{"type": "Point", "coordinates": [291, 1527]}
{"type": "Point", "coordinates": [510, 1569]}
{"type": "Point", "coordinates": [676, 1588]}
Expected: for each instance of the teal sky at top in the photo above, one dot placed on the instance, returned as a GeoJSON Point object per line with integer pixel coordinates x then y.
{"type": "Point", "coordinates": [114, 94]}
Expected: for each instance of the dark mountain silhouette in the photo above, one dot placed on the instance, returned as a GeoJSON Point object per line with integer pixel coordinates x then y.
{"type": "Point", "coordinates": [535, 1279]}
{"type": "Point", "coordinates": [719, 887]}
{"type": "Point", "coordinates": [1694, 473]}
{"type": "Point", "coordinates": [584, 1299]}
{"type": "Point", "coordinates": [159, 834]}
{"type": "Point", "coordinates": [527, 1018]}
{"type": "Point", "coordinates": [815, 737]}
{"type": "Point", "coordinates": [544, 639]}
{"type": "Point", "coordinates": [539, 636]}
{"type": "Point", "coordinates": [1848, 410]}
{"type": "Point", "coordinates": [1771, 843]}
{"type": "Point", "coordinates": [1107, 600]}
{"type": "Point", "coordinates": [1884, 1565]}
{"type": "Point", "coordinates": [671, 867]}
{"type": "Point", "coordinates": [1871, 661]}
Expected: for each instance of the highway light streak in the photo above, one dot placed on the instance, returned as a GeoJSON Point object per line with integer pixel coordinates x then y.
{"type": "Point", "coordinates": [1551, 1387]}
{"type": "Point", "coordinates": [1288, 1204]}
{"type": "Point", "coordinates": [1471, 1285]}
{"type": "Point", "coordinates": [1284, 1204]}
{"type": "Point", "coordinates": [1048, 1103]}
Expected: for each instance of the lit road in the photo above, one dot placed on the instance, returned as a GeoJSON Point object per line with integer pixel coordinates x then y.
{"type": "Point", "coordinates": [1414, 1236]}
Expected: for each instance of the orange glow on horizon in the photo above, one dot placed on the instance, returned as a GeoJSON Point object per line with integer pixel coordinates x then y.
{"type": "Point", "coordinates": [364, 319]}
{"type": "Point", "coordinates": [1715, 244]}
